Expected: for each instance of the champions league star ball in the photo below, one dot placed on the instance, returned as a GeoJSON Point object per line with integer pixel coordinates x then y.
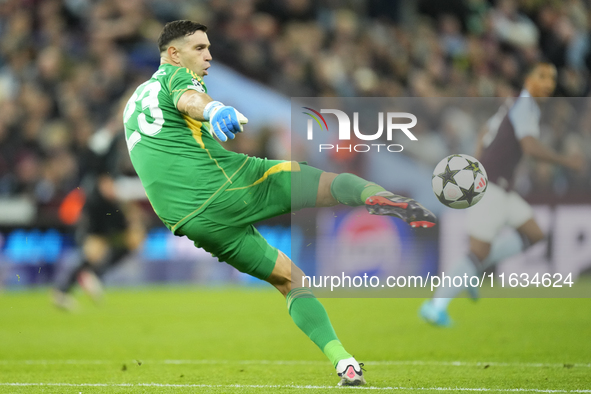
{"type": "Point", "coordinates": [459, 181]}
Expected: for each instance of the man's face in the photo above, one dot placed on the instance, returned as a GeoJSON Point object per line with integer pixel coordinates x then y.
{"type": "Point", "coordinates": [541, 82]}
{"type": "Point", "coordinates": [193, 52]}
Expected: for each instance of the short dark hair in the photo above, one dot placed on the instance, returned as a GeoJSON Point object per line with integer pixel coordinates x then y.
{"type": "Point", "coordinates": [177, 29]}
{"type": "Point", "coordinates": [530, 68]}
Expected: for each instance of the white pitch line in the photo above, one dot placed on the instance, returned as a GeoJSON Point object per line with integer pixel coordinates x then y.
{"type": "Point", "coordinates": [306, 362]}
{"type": "Point", "coordinates": [480, 364]}
{"type": "Point", "coordinates": [287, 386]}
{"type": "Point", "coordinates": [405, 362]}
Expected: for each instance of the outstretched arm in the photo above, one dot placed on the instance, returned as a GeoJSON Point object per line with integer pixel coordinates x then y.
{"type": "Point", "coordinates": [534, 148]}
{"type": "Point", "coordinates": [225, 120]}
{"type": "Point", "coordinates": [192, 103]}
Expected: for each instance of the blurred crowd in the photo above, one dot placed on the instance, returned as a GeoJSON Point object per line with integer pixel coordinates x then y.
{"type": "Point", "coordinates": [391, 48]}
{"type": "Point", "coordinates": [65, 65]}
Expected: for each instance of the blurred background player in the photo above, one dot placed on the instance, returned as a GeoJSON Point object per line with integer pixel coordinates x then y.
{"type": "Point", "coordinates": [512, 133]}
{"type": "Point", "coordinates": [109, 229]}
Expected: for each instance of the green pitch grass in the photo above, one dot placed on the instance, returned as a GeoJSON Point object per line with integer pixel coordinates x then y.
{"type": "Point", "coordinates": [181, 340]}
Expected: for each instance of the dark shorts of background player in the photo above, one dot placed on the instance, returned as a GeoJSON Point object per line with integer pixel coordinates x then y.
{"type": "Point", "coordinates": [225, 229]}
{"type": "Point", "coordinates": [102, 218]}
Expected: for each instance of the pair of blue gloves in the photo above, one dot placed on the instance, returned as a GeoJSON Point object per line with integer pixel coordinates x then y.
{"type": "Point", "coordinates": [225, 121]}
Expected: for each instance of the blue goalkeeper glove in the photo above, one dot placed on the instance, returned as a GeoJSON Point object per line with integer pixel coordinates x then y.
{"type": "Point", "coordinates": [225, 121]}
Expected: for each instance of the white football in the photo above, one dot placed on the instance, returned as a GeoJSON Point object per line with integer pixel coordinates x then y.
{"type": "Point", "coordinates": [459, 181]}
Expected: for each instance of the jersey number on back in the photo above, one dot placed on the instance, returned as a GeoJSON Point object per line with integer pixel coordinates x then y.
{"type": "Point", "coordinates": [147, 95]}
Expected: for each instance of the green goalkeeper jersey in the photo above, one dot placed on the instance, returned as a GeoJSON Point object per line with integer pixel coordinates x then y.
{"type": "Point", "coordinates": [181, 166]}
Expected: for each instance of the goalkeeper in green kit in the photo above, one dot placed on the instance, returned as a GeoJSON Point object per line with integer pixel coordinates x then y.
{"type": "Point", "coordinates": [174, 132]}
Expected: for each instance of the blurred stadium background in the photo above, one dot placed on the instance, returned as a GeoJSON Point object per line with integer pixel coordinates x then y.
{"type": "Point", "coordinates": [65, 66]}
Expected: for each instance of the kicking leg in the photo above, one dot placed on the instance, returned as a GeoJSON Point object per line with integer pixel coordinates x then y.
{"type": "Point", "coordinates": [311, 317]}
{"type": "Point", "coordinates": [349, 189]}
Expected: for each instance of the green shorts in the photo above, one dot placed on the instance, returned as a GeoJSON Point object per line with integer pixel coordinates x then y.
{"type": "Point", "coordinates": [225, 228]}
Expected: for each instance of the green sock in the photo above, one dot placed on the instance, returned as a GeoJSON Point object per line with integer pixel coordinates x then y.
{"type": "Point", "coordinates": [311, 317]}
{"type": "Point", "coordinates": [352, 190]}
